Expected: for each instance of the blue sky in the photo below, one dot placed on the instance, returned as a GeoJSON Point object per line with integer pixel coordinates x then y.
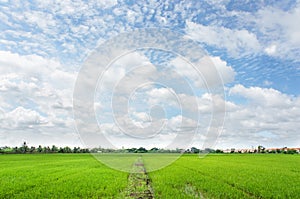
{"type": "Point", "coordinates": [254, 45]}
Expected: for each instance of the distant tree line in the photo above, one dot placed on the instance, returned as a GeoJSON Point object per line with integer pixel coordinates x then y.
{"type": "Point", "coordinates": [135, 150]}
{"type": "Point", "coordinates": [24, 149]}
{"type": "Point", "coordinates": [41, 149]}
{"type": "Point", "coordinates": [193, 150]}
{"type": "Point", "coordinates": [152, 150]}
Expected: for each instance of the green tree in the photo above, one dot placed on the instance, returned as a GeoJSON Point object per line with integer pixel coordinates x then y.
{"type": "Point", "coordinates": [32, 149]}
{"type": "Point", "coordinates": [132, 150]}
{"type": "Point", "coordinates": [142, 150]}
{"type": "Point", "coordinates": [260, 149]}
{"type": "Point", "coordinates": [76, 150]}
{"type": "Point", "coordinates": [219, 151]}
{"type": "Point", "coordinates": [40, 149]}
{"type": "Point", "coordinates": [67, 149]}
{"type": "Point", "coordinates": [278, 151]}
{"type": "Point", "coordinates": [54, 149]}
{"type": "Point", "coordinates": [24, 147]}
{"type": "Point", "coordinates": [195, 150]}
{"type": "Point", "coordinates": [154, 150]}
{"type": "Point", "coordinates": [291, 151]}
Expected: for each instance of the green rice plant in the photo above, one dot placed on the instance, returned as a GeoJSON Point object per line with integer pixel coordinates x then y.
{"type": "Point", "coordinates": [230, 176]}
{"type": "Point", "coordinates": [58, 176]}
{"type": "Point", "coordinates": [214, 176]}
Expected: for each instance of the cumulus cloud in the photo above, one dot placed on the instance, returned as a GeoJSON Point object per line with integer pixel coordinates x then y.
{"type": "Point", "coordinates": [177, 126]}
{"type": "Point", "coordinates": [210, 71]}
{"type": "Point", "coordinates": [22, 118]}
{"type": "Point", "coordinates": [281, 27]}
{"type": "Point", "coordinates": [162, 95]}
{"type": "Point", "coordinates": [269, 29]}
{"type": "Point", "coordinates": [226, 72]}
{"type": "Point", "coordinates": [236, 42]}
{"type": "Point", "coordinates": [267, 97]}
{"type": "Point", "coordinates": [267, 117]}
{"type": "Point", "coordinates": [36, 67]}
{"type": "Point", "coordinates": [36, 93]}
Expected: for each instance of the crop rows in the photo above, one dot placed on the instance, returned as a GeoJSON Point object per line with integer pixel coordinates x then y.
{"type": "Point", "coordinates": [215, 176]}
{"type": "Point", "coordinates": [58, 176]}
{"type": "Point", "coordinates": [229, 176]}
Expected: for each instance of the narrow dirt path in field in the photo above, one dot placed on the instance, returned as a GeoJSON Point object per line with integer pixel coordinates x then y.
{"type": "Point", "coordinates": [139, 183]}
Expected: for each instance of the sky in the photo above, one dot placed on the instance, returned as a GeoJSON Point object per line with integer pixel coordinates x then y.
{"type": "Point", "coordinates": [235, 86]}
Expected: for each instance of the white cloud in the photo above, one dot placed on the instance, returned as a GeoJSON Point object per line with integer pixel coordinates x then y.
{"type": "Point", "coordinates": [162, 95]}
{"type": "Point", "coordinates": [41, 19]}
{"type": "Point", "coordinates": [271, 49]}
{"type": "Point", "coordinates": [174, 126]}
{"type": "Point", "coordinates": [226, 72]}
{"type": "Point", "coordinates": [35, 67]}
{"type": "Point", "coordinates": [236, 42]}
{"type": "Point", "coordinates": [136, 88]}
{"type": "Point", "coordinates": [265, 112]}
{"type": "Point", "coordinates": [266, 97]}
{"type": "Point", "coordinates": [271, 30]}
{"type": "Point", "coordinates": [35, 93]}
{"type": "Point", "coordinates": [128, 72]}
{"type": "Point", "coordinates": [277, 29]}
{"type": "Point", "coordinates": [211, 70]}
{"type": "Point", "coordinates": [267, 83]}
{"type": "Point", "coordinates": [276, 21]}
{"type": "Point", "coordinates": [22, 118]}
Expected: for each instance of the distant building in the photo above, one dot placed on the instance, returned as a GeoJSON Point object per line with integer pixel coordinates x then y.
{"type": "Point", "coordinates": [267, 150]}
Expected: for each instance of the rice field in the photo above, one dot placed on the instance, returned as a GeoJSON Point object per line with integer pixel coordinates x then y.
{"type": "Point", "coordinates": [230, 176]}
{"type": "Point", "coordinates": [214, 176]}
{"type": "Point", "coordinates": [58, 176]}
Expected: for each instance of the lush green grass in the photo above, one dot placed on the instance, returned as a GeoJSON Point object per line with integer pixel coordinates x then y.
{"type": "Point", "coordinates": [58, 176]}
{"type": "Point", "coordinates": [215, 176]}
{"type": "Point", "coordinates": [124, 161]}
{"type": "Point", "coordinates": [230, 176]}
